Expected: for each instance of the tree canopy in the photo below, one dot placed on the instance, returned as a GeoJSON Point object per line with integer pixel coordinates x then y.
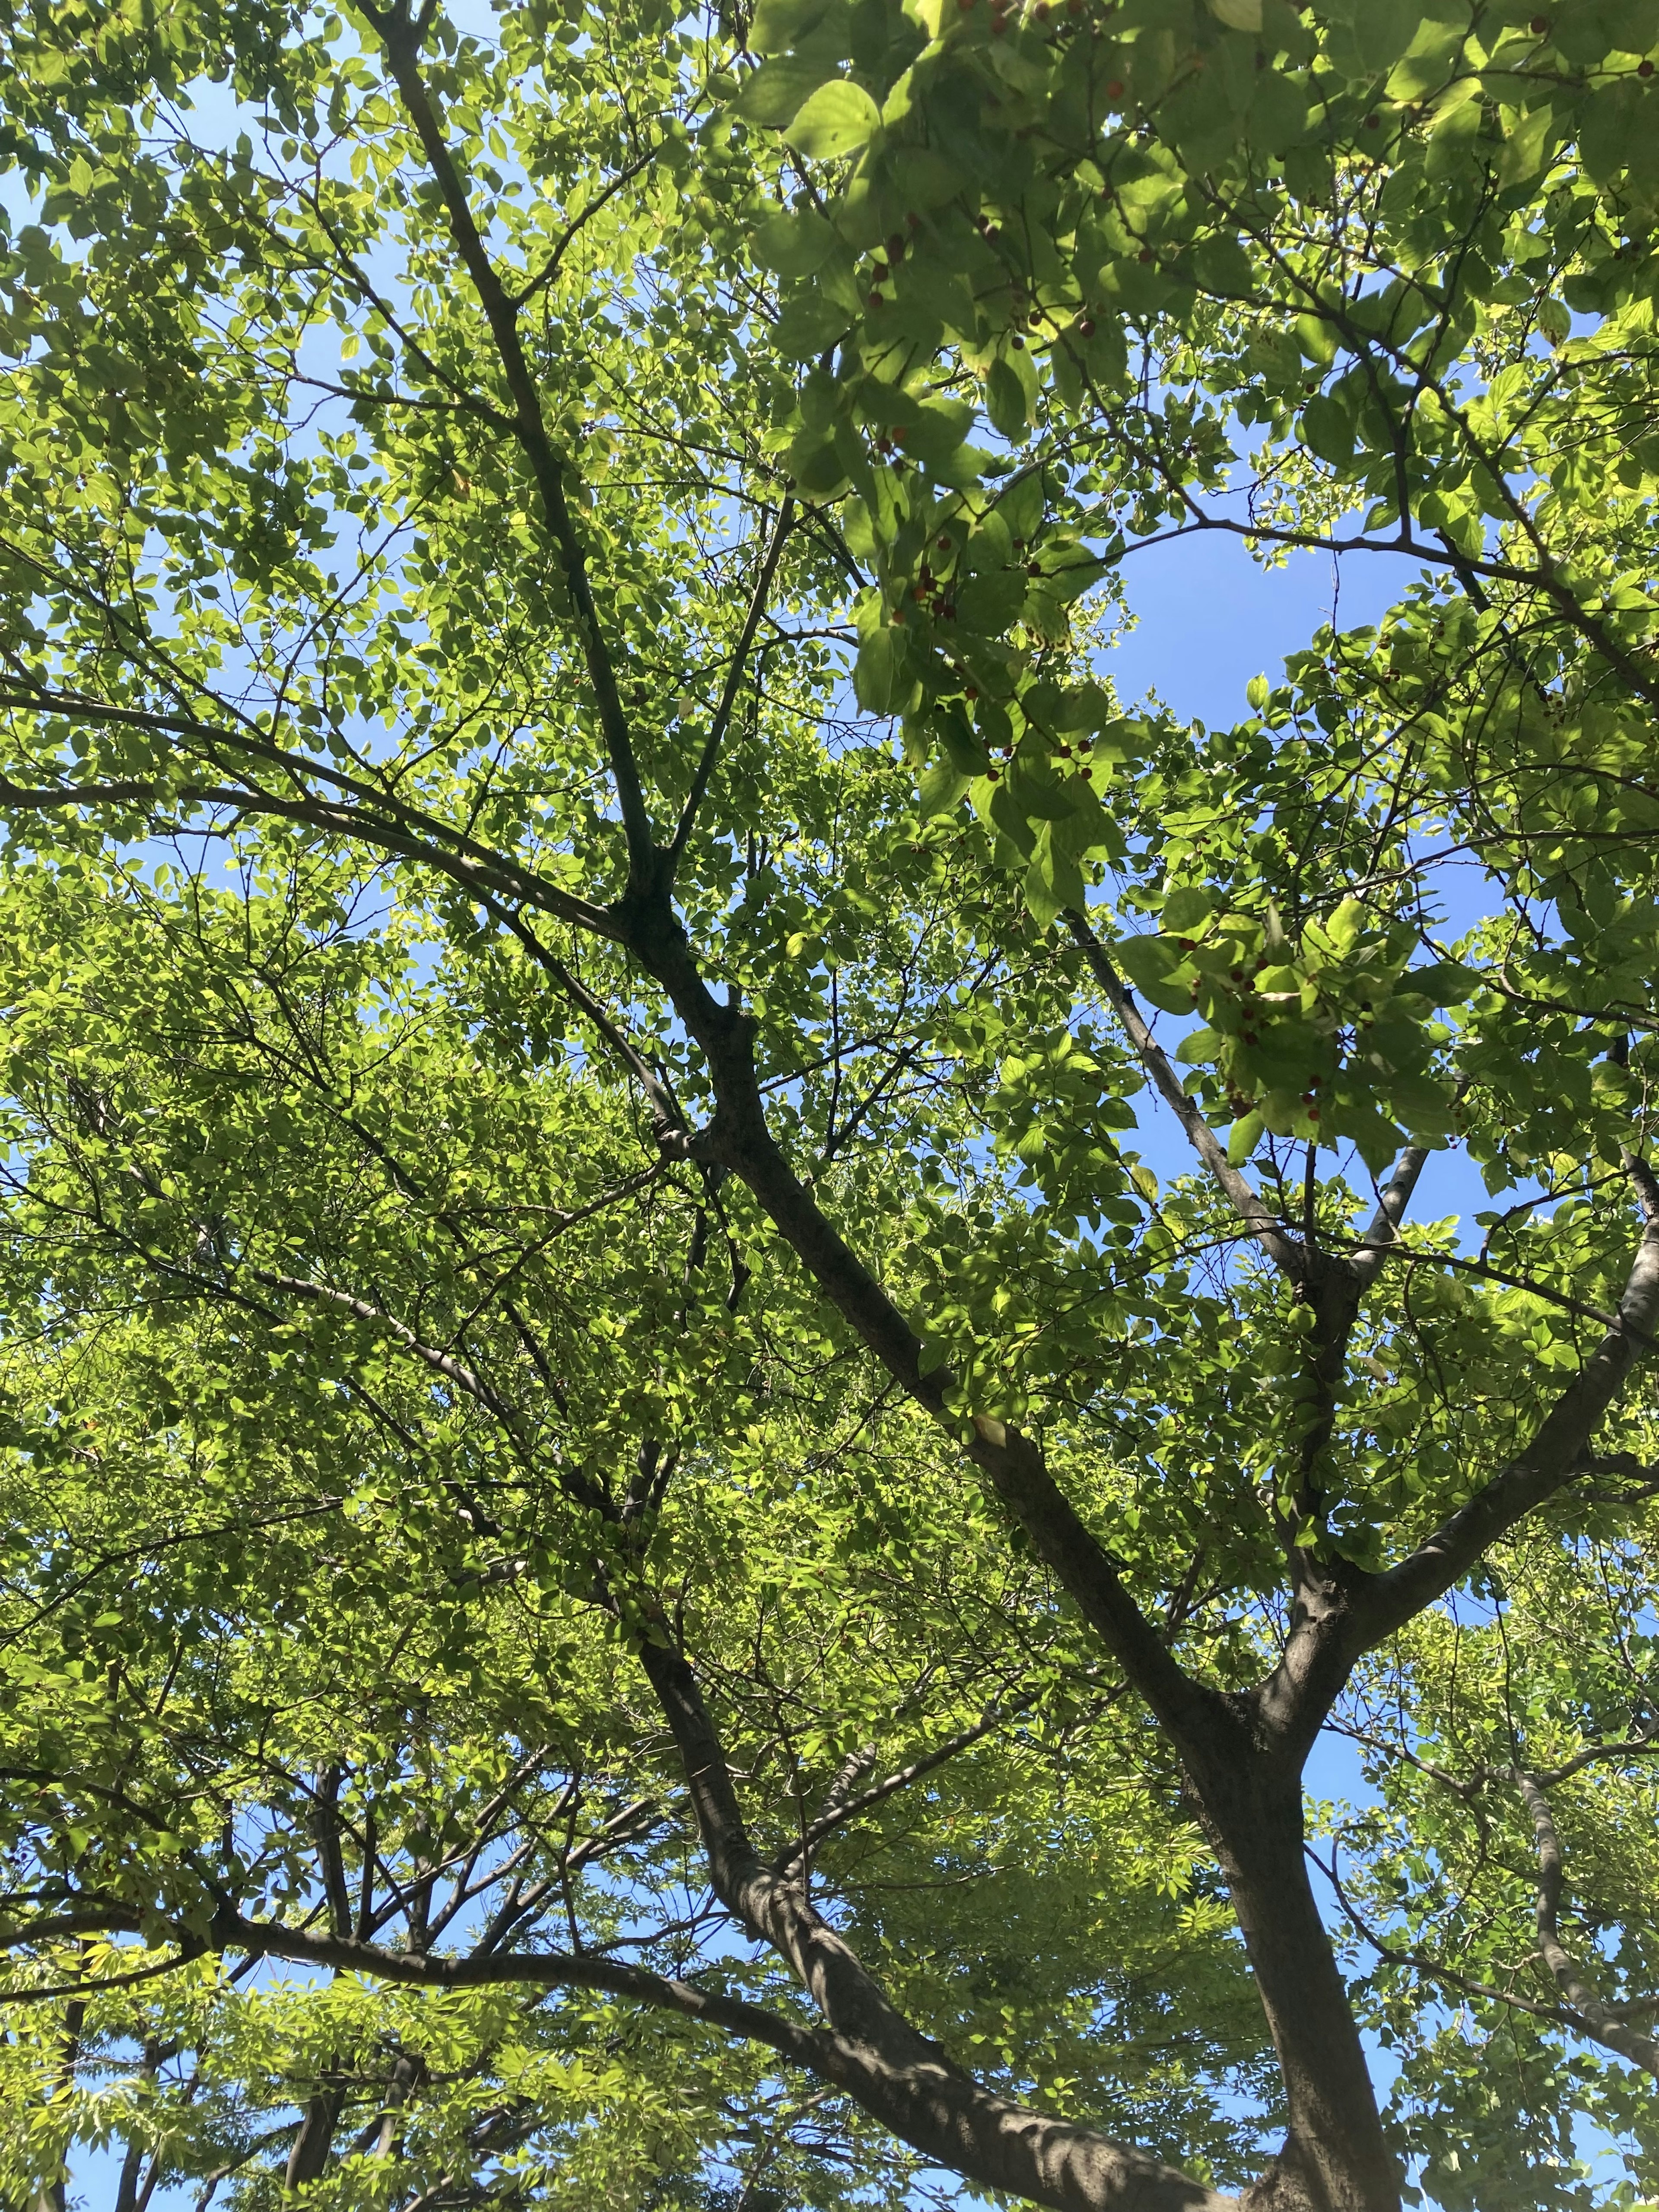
{"type": "Point", "coordinates": [645, 1562]}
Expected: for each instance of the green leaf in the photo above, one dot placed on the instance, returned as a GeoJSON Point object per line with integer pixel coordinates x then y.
{"type": "Point", "coordinates": [795, 244]}
{"type": "Point", "coordinates": [1525, 147]}
{"type": "Point", "coordinates": [780, 24]}
{"type": "Point", "coordinates": [1187, 908]}
{"type": "Point", "coordinates": [1329, 430]}
{"type": "Point", "coordinates": [837, 119]}
{"type": "Point", "coordinates": [1004, 400]}
{"type": "Point", "coordinates": [778, 87]}
{"type": "Point", "coordinates": [1243, 1137]}
{"type": "Point", "coordinates": [1200, 1047]}
{"type": "Point", "coordinates": [881, 674]}
{"type": "Point", "coordinates": [942, 788]}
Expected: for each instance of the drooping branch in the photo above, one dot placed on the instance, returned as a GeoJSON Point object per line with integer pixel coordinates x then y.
{"type": "Point", "coordinates": [432, 844]}
{"type": "Point", "coordinates": [1579, 2006]}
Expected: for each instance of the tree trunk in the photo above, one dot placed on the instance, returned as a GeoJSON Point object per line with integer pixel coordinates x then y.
{"type": "Point", "coordinates": [1335, 2158]}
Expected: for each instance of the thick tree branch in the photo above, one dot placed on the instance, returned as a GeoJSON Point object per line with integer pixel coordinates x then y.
{"type": "Point", "coordinates": [899, 2075]}
{"type": "Point", "coordinates": [1382, 1231]}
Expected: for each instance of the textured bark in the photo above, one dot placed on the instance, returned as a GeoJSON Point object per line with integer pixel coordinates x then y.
{"type": "Point", "coordinates": [1335, 2158]}
{"type": "Point", "coordinates": [899, 2075]}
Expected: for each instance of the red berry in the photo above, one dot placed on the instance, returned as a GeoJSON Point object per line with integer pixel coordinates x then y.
{"type": "Point", "coordinates": [875, 299]}
{"type": "Point", "coordinates": [1085, 326]}
{"type": "Point", "coordinates": [972, 691]}
{"type": "Point", "coordinates": [1114, 90]}
{"type": "Point", "coordinates": [1034, 568]}
{"type": "Point", "coordinates": [1144, 254]}
{"type": "Point", "coordinates": [999, 25]}
{"type": "Point", "coordinates": [1373, 123]}
{"type": "Point", "coordinates": [914, 220]}
{"type": "Point", "coordinates": [1538, 25]}
{"type": "Point", "coordinates": [1016, 342]}
{"type": "Point", "coordinates": [1644, 69]}
{"type": "Point", "coordinates": [896, 246]}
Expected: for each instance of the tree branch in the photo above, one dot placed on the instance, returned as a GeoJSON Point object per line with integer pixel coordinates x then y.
{"type": "Point", "coordinates": [849, 1808]}
{"type": "Point", "coordinates": [1385, 1602]}
{"type": "Point", "coordinates": [1286, 1252]}
{"type": "Point", "coordinates": [900, 2076]}
{"type": "Point", "coordinates": [402, 42]}
{"type": "Point", "coordinates": [718, 727]}
{"type": "Point", "coordinates": [1601, 2020]}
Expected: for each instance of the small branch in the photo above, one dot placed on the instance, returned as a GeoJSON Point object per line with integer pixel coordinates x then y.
{"type": "Point", "coordinates": [401, 44]}
{"type": "Point", "coordinates": [718, 727]}
{"type": "Point", "coordinates": [1285, 1252]}
{"type": "Point", "coordinates": [573, 230]}
{"type": "Point", "coordinates": [849, 1808]}
{"type": "Point", "coordinates": [1385, 1602]}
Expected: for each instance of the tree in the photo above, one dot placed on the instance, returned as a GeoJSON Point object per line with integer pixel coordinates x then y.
{"type": "Point", "coordinates": [610, 1452]}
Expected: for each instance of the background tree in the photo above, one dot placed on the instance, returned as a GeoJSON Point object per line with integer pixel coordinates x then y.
{"type": "Point", "coordinates": [597, 1405]}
